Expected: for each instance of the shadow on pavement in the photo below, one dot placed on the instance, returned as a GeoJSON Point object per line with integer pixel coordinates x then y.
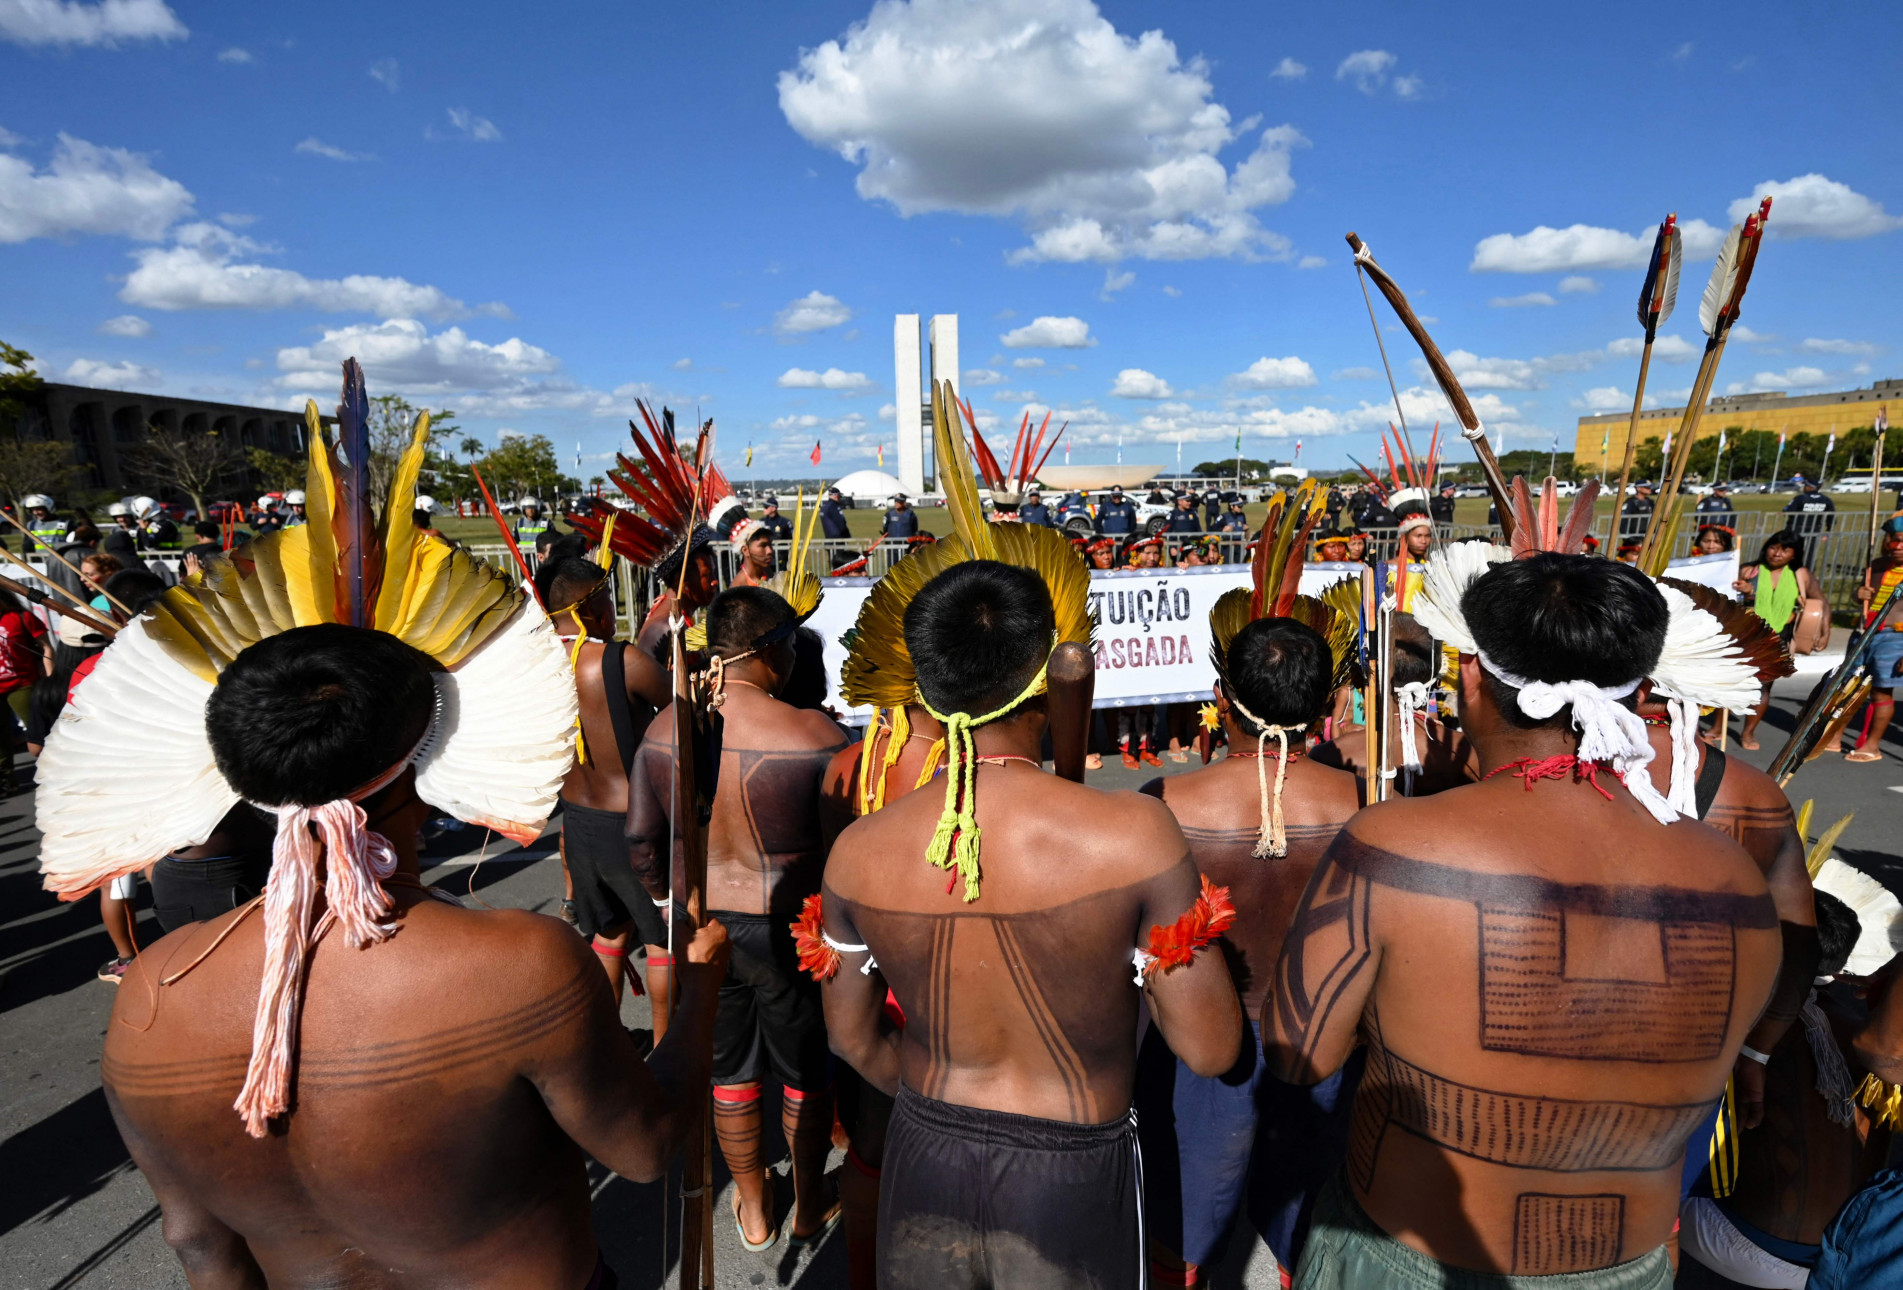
{"type": "Point", "coordinates": [60, 1161]}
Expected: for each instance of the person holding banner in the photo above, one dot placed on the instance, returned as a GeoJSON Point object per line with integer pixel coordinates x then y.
{"type": "Point", "coordinates": [1715, 539]}
{"type": "Point", "coordinates": [1776, 587]}
{"type": "Point", "coordinates": [1886, 653]}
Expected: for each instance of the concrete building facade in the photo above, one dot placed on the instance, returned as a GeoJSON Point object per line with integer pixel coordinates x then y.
{"type": "Point", "coordinates": [912, 401]}
{"type": "Point", "coordinates": [102, 425]}
{"type": "Point", "coordinates": [1601, 439]}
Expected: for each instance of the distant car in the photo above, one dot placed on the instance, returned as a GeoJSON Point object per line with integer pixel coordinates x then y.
{"type": "Point", "coordinates": [1566, 488]}
{"type": "Point", "coordinates": [1471, 490]}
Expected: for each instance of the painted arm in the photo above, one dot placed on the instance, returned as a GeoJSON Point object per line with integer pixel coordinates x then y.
{"type": "Point", "coordinates": [1325, 975]}
{"type": "Point", "coordinates": [856, 1023]}
{"type": "Point", "coordinates": [1194, 1004]}
{"type": "Point", "coordinates": [649, 831]}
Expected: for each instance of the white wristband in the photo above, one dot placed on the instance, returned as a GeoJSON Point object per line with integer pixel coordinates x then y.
{"type": "Point", "coordinates": [1762, 1059]}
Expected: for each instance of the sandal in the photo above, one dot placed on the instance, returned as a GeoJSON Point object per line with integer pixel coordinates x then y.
{"type": "Point", "coordinates": [752, 1247]}
{"type": "Point", "coordinates": [821, 1232]}
{"type": "Point", "coordinates": [1864, 755]}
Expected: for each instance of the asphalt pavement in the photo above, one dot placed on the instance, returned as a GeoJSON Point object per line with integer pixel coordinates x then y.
{"type": "Point", "coordinates": [74, 1212]}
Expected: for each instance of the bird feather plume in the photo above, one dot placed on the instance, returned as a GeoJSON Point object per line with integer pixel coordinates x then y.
{"type": "Point", "coordinates": [955, 473]}
{"type": "Point", "coordinates": [1765, 651]}
{"type": "Point", "coordinates": [1660, 293]}
{"type": "Point", "coordinates": [1537, 527]}
{"type": "Point", "coordinates": [1724, 275]}
{"type": "Point", "coordinates": [796, 583]}
{"type": "Point", "coordinates": [1451, 570]}
{"type": "Point", "coordinates": [1674, 262]}
{"type": "Point", "coordinates": [1700, 663]}
{"type": "Point", "coordinates": [1879, 913]}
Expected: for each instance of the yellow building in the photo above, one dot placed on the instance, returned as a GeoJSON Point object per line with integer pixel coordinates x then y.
{"type": "Point", "coordinates": [1600, 444]}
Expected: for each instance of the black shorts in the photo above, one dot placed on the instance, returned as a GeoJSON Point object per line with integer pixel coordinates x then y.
{"type": "Point", "coordinates": [972, 1199]}
{"type": "Point", "coordinates": [191, 891]}
{"type": "Point", "coordinates": [771, 1024]}
{"type": "Point", "coordinates": [607, 894]}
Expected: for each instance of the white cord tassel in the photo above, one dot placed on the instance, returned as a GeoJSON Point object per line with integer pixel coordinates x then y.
{"type": "Point", "coordinates": [1272, 841]}
{"type": "Point", "coordinates": [1411, 699]}
{"type": "Point", "coordinates": [1684, 791]}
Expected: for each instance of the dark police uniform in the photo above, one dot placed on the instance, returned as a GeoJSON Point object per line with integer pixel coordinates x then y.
{"type": "Point", "coordinates": [1116, 517]}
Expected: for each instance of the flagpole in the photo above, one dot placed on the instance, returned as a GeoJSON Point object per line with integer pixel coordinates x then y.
{"type": "Point", "coordinates": [1778, 460]}
{"type": "Point", "coordinates": [1823, 471]}
{"type": "Point", "coordinates": [1876, 476]}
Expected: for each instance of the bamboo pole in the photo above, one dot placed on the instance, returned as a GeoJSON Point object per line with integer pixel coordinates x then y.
{"type": "Point", "coordinates": [116, 603]}
{"type": "Point", "coordinates": [1631, 441]}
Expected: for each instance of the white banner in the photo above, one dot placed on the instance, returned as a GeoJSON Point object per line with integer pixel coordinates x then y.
{"type": "Point", "coordinates": [1715, 571]}
{"type": "Point", "coordinates": [1152, 629]}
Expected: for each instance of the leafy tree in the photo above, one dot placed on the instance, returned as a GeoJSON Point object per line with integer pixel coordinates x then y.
{"type": "Point", "coordinates": [273, 471]}
{"type": "Point", "coordinates": [27, 465]}
{"type": "Point", "coordinates": [524, 466]}
{"type": "Point", "coordinates": [195, 464]}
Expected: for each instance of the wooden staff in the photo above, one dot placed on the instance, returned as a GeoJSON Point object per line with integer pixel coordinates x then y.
{"type": "Point", "coordinates": [1656, 299]}
{"type": "Point", "coordinates": [38, 597]}
{"type": "Point", "coordinates": [1370, 714]}
{"type": "Point", "coordinates": [84, 610]}
{"type": "Point", "coordinates": [1876, 485]}
{"type": "Point", "coordinates": [1471, 429]}
{"type": "Point", "coordinates": [116, 602]}
{"type": "Point", "coordinates": [1073, 682]}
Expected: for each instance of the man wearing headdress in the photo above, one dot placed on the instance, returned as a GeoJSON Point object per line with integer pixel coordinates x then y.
{"type": "Point", "coordinates": [1553, 971]}
{"type": "Point", "coordinates": [452, 1068]}
{"type": "Point", "coordinates": [619, 689]}
{"type": "Point", "coordinates": [765, 845]}
{"type": "Point", "coordinates": [753, 542]}
{"type": "Point", "coordinates": [1427, 754]}
{"type": "Point", "coordinates": [1276, 674]}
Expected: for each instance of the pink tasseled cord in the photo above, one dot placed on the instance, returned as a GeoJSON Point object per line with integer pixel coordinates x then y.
{"type": "Point", "coordinates": [356, 863]}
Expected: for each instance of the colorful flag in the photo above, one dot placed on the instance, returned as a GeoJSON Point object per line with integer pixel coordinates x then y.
{"type": "Point", "coordinates": [815, 452]}
{"type": "Point", "coordinates": [1298, 450]}
{"type": "Point", "coordinates": [1832, 445]}
{"type": "Point", "coordinates": [881, 456]}
{"type": "Point", "coordinates": [749, 454]}
{"type": "Point", "coordinates": [1238, 439]}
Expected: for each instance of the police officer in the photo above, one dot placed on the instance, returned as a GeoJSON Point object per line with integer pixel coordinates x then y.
{"type": "Point", "coordinates": [1812, 510]}
{"type": "Point", "coordinates": [775, 523]}
{"type": "Point", "coordinates": [1116, 517]}
{"type": "Point", "coordinates": [531, 526]}
{"type": "Point", "coordinates": [156, 530]}
{"type": "Point", "coordinates": [1212, 507]}
{"type": "Point", "coordinates": [264, 516]}
{"type": "Point", "coordinates": [295, 500]}
{"type": "Point", "coordinates": [1372, 513]}
{"type": "Point", "coordinates": [901, 521]}
{"type": "Point", "coordinates": [832, 516]}
{"type": "Point", "coordinates": [1637, 512]}
{"type": "Point", "coordinates": [1440, 507]}
{"type": "Point", "coordinates": [44, 529]}
{"type": "Point", "coordinates": [1236, 521]}
{"type": "Point", "coordinates": [1184, 518]}
{"type": "Point", "coordinates": [1715, 507]}
{"type": "Point", "coordinates": [1034, 511]}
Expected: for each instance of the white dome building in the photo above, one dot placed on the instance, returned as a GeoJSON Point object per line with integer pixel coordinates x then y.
{"type": "Point", "coordinates": [868, 487]}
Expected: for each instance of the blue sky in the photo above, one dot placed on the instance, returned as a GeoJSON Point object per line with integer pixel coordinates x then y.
{"type": "Point", "coordinates": [1136, 210]}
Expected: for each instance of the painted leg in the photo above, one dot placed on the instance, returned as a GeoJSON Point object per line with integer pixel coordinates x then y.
{"type": "Point", "coordinates": [807, 1120]}
{"type": "Point", "coordinates": [737, 1126]}
{"type": "Point", "coordinates": [660, 987]}
{"type": "Point", "coordinates": [611, 951]}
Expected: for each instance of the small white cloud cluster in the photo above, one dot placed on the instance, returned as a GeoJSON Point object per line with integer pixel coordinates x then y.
{"type": "Point", "coordinates": [799, 378]}
{"type": "Point", "coordinates": [1048, 332]}
{"type": "Point", "coordinates": [814, 311]}
{"type": "Point", "coordinates": [67, 22]}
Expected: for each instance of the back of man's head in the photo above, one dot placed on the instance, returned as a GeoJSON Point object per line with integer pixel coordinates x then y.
{"type": "Point", "coordinates": [1558, 618]}
{"type": "Point", "coordinates": [1837, 932]}
{"type": "Point", "coordinates": [316, 713]}
{"type": "Point", "coordinates": [566, 581]}
{"type": "Point", "coordinates": [1415, 657]}
{"type": "Point", "coordinates": [207, 530]}
{"type": "Point", "coordinates": [134, 588]}
{"type": "Point", "coordinates": [978, 633]}
{"type": "Point", "coordinates": [741, 618]}
{"type": "Point", "coordinates": [1280, 671]}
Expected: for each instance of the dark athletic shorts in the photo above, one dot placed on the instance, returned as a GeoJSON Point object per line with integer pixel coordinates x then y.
{"type": "Point", "coordinates": [973, 1199]}
{"type": "Point", "coordinates": [1198, 1136]}
{"type": "Point", "coordinates": [770, 1024]}
{"type": "Point", "coordinates": [607, 894]}
{"type": "Point", "coordinates": [191, 891]}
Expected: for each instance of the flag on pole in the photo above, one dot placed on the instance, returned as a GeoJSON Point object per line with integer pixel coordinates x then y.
{"type": "Point", "coordinates": [1832, 445]}
{"type": "Point", "coordinates": [1298, 450]}
{"type": "Point", "coordinates": [881, 456]}
{"type": "Point", "coordinates": [749, 455]}
{"type": "Point", "coordinates": [815, 453]}
{"type": "Point", "coordinates": [1067, 452]}
{"type": "Point", "coordinates": [1238, 440]}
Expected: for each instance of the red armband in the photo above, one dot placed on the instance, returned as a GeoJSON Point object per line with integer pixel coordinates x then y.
{"type": "Point", "coordinates": [1177, 944]}
{"type": "Point", "coordinates": [816, 956]}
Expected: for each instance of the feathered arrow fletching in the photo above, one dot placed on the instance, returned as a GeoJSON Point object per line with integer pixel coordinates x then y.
{"type": "Point", "coordinates": [1660, 293]}
{"type": "Point", "coordinates": [1724, 274]}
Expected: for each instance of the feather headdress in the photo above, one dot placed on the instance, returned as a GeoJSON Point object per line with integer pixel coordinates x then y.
{"type": "Point", "coordinates": [494, 753]}
{"type": "Point", "coordinates": [663, 485]}
{"type": "Point", "coordinates": [1008, 485]}
{"type": "Point", "coordinates": [878, 669]}
{"type": "Point", "coordinates": [1274, 591]}
{"type": "Point", "coordinates": [1879, 914]}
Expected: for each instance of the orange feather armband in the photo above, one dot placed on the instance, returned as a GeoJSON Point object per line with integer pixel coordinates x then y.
{"type": "Point", "coordinates": [1178, 944]}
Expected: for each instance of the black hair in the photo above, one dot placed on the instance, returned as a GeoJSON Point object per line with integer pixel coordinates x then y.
{"type": "Point", "coordinates": [1416, 658]}
{"type": "Point", "coordinates": [566, 581]}
{"type": "Point", "coordinates": [315, 713]}
{"type": "Point", "coordinates": [1837, 932]}
{"type": "Point", "coordinates": [207, 530]}
{"type": "Point", "coordinates": [134, 588]}
{"type": "Point", "coordinates": [806, 686]}
{"type": "Point", "coordinates": [421, 518]}
{"type": "Point", "coordinates": [567, 546]}
{"type": "Point", "coordinates": [1723, 533]}
{"type": "Point", "coordinates": [978, 633]}
{"type": "Point", "coordinates": [1554, 618]}
{"type": "Point", "coordinates": [1281, 671]}
{"type": "Point", "coordinates": [741, 617]}
{"type": "Point", "coordinates": [1784, 537]}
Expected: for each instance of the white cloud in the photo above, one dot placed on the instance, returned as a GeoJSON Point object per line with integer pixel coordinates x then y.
{"type": "Point", "coordinates": [800, 378]}
{"type": "Point", "coordinates": [1275, 374]}
{"type": "Point", "coordinates": [1172, 292]}
{"type": "Point", "coordinates": [1312, 262]}
{"type": "Point", "coordinates": [1135, 383]}
{"type": "Point", "coordinates": [386, 73]}
{"type": "Point", "coordinates": [682, 365]}
{"type": "Point", "coordinates": [1813, 346]}
{"type": "Point", "coordinates": [1605, 398]}
{"type": "Point", "coordinates": [1289, 70]}
{"type": "Point", "coordinates": [1744, 333]}
{"type": "Point", "coordinates": [471, 126]}
{"type": "Point", "coordinates": [1103, 146]}
{"type": "Point", "coordinates": [1047, 332]}
{"type": "Point", "coordinates": [1813, 206]}
{"type": "Point", "coordinates": [1027, 362]}
{"type": "Point", "coordinates": [1796, 378]}
{"type": "Point", "coordinates": [1521, 302]}
{"type": "Point", "coordinates": [65, 22]}
{"type": "Point", "coordinates": [128, 325]}
{"type": "Point", "coordinates": [1114, 282]}
{"type": "Point", "coordinates": [9, 139]}
{"type": "Point", "coordinates": [1584, 247]}
{"type": "Point", "coordinates": [1477, 373]}
{"type": "Point", "coordinates": [1682, 53]}
{"type": "Point", "coordinates": [983, 376]}
{"type": "Point", "coordinates": [814, 311]}
{"type": "Point", "coordinates": [235, 55]}
{"type": "Point", "coordinates": [112, 376]}
{"type": "Point", "coordinates": [316, 147]}
{"type": "Point", "coordinates": [1367, 68]}
{"type": "Point", "coordinates": [87, 189]}
{"type": "Point", "coordinates": [1577, 285]}
{"type": "Point", "coordinates": [1408, 87]}
{"type": "Point", "coordinates": [1667, 349]}
{"type": "Point", "coordinates": [199, 272]}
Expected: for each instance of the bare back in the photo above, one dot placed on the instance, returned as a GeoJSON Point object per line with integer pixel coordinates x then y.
{"type": "Point", "coordinates": [1552, 988]}
{"type": "Point", "coordinates": [434, 1097]}
{"type": "Point", "coordinates": [598, 780]}
{"type": "Point", "coordinates": [1023, 1000]}
{"type": "Point", "coordinates": [1220, 813]}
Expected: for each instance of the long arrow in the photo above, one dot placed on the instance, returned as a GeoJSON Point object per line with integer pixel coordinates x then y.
{"type": "Point", "coordinates": [1656, 299]}
{"type": "Point", "coordinates": [1470, 427]}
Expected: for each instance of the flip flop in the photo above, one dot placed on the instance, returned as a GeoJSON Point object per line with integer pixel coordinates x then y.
{"type": "Point", "coordinates": [1864, 755]}
{"type": "Point", "coordinates": [752, 1247]}
{"type": "Point", "coordinates": [820, 1233]}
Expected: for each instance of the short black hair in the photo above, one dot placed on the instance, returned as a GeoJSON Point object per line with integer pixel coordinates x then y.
{"type": "Point", "coordinates": [206, 529]}
{"type": "Point", "coordinates": [315, 713]}
{"type": "Point", "coordinates": [1837, 932]}
{"type": "Point", "coordinates": [1552, 617]}
{"type": "Point", "coordinates": [1281, 671]}
{"type": "Point", "coordinates": [1416, 657]}
{"type": "Point", "coordinates": [978, 633]}
{"type": "Point", "coordinates": [134, 588]}
{"type": "Point", "coordinates": [565, 546]}
{"type": "Point", "coordinates": [1786, 538]}
{"type": "Point", "coordinates": [741, 617]}
{"type": "Point", "coordinates": [567, 581]}
{"type": "Point", "coordinates": [421, 518]}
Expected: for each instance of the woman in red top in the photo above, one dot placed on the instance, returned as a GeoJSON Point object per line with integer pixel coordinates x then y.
{"type": "Point", "coordinates": [24, 659]}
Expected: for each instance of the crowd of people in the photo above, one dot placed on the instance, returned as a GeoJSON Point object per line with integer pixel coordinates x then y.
{"type": "Point", "coordinates": [1569, 1005]}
